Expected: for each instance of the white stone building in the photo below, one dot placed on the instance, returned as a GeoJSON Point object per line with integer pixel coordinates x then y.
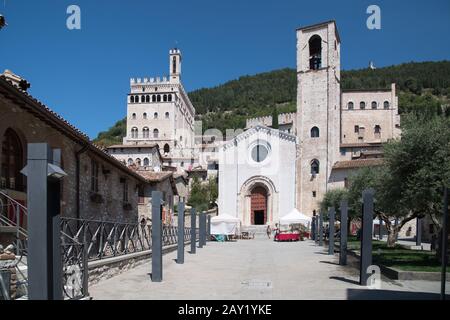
{"type": "Point", "coordinates": [334, 132]}
{"type": "Point", "coordinates": [159, 112]}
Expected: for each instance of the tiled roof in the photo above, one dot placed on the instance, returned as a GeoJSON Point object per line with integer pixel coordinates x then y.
{"type": "Point", "coordinates": [360, 163]}
{"type": "Point", "coordinates": [119, 146]}
{"type": "Point", "coordinates": [153, 176]}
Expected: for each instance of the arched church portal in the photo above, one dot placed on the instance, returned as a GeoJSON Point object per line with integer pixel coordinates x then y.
{"type": "Point", "coordinates": [258, 205]}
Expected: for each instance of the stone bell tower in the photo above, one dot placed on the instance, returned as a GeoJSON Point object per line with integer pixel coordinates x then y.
{"type": "Point", "coordinates": [175, 65]}
{"type": "Point", "coordinates": [318, 111]}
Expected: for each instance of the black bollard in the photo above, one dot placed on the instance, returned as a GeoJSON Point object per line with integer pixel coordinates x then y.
{"type": "Point", "coordinates": [180, 253]}
{"type": "Point", "coordinates": [156, 237]}
{"type": "Point", "coordinates": [366, 238]}
{"type": "Point", "coordinates": [321, 229]}
{"type": "Point", "coordinates": [331, 214]}
{"type": "Point", "coordinates": [343, 231]}
{"type": "Point", "coordinates": [193, 231]}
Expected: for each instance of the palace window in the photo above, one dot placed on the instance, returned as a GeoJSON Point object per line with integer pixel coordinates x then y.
{"type": "Point", "coordinates": [315, 132]}
{"type": "Point", "coordinates": [155, 115]}
{"type": "Point", "coordinates": [350, 105]}
{"type": "Point", "coordinates": [154, 98]}
{"type": "Point", "coordinates": [94, 176]}
{"type": "Point", "coordinates": [315, 52]}
{"type": "Point", "coordinates": [133, 116]}
{"type": "Point", "coordinates": [12, 161]}
{"type": "Point", "coordinates": [147, 98]}
{"type": "Point", "coordinates": [314, 194]}
{"type": "Point", "coordinates": [146, 162]}
{"type": "Point", "coordinates": [146, 133]}
{"type": "Point", "coordinates": [134, 133]}
{"type": "Point", "coordinates": [169, 97]}
{"type": "Point", "coordinates": [374, 105]}
{"type": "Point", "coordinates": [145, 115]}
{"type": "Point", "coordinates": [142, 99]}
{"type": "Point", "coordinates": [167, 115]}
{"type": "Point", "coordinates": [136, 99]}
{"type": "Point", "coordinates": [166, 148]}
{"type": "Point", "coordinates": [174, 65]}
{"type": "Point", "coordinates": [356, 129]}
{"type": "Point", "coordinates": [386, 104]}
{"type": "Point", "coordinates": [362, 105]}
{"type": "Point", "coordinates": [315, 167]}
{"type": "Point", "coordinates": [165, 98]}
{"type": "Point", "coordinates": [158, 98]}
{"type": "Point", "coordinates": [132, 99]}
{"type": "Point", "coordinates": [130, 161]}
{"type": "Point", "coordinates": [155, 133]}
{"type": "Point", "coordinates": [138, 162]}
{"type": "Point", "coordinates": [377, 132]}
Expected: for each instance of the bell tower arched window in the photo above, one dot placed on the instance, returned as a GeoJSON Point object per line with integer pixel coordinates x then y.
{"type": "Point", "coordinates": [174, 65]}
{"type": "Point", "coordinates": [315, 132]}
{"type": "Point", "coordinates": [12, 161]}
{"type": "Point", "coordinates": [315, 167]}
{"type": "Point", "coordinates": [315, 52]}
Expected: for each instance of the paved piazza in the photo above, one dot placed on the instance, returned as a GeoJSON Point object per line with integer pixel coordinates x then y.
{"type": "Point", "coordinates": [255, 269]}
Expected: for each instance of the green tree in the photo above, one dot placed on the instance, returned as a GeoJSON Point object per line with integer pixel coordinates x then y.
{"type": "Point", "coordinates": [275, 124]}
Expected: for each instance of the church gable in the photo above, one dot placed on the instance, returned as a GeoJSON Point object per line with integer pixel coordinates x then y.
{"type": "Point", "coordinates": [273, 133]}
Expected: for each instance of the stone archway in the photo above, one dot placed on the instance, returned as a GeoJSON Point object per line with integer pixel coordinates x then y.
{"type": "Point", "coordinates": [258, 199]}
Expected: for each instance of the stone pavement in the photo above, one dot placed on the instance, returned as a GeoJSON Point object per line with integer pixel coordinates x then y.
{"type": "Point", "coordinates": [255, 269]}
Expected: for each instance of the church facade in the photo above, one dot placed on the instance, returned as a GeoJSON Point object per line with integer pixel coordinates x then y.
{"type": "Point", "coordinates": [334, 132]}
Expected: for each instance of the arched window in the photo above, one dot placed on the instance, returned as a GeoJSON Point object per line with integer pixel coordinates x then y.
{"type": "Point", "coordinates": [386, 104]}
{"type": "Point", "coordinates": [166, 148]}
{"type": "Point", "coordinates": [12, 161]}
{"type": "Point", "coordinates": [147, 98]}
{"type": "Point", "coordinates": [138, 162]}
{"type": "Point", "coordinates": [377, 132]}
{"type": "Point", "coordinates": [144, 115]}
{"type": "Point", "coordinates": [374, 105]}
{"type": "Point", "coordinates": [146, 132]}
{"type": "Point", "coordinates": [314, 132]}
{"type": "Point", "coordinates": [155, 115]}
{"type": "Point", "coordinates": [154, 98]}
{"type": "Point", "coordinates": [362, 105]}
{"type": "Point", "coordinates": [158, 98]}
{"type": "Point", "coordinates": [181, 138]}
{"type": "Point", "coordinates": [167, 115]}
{"type": "Point", "coordinates": [134, 133]}
{"type": "Point", "coordinates": [136, 99]}
{"type": "Point", "coordinates": [143, 99]}
{"type": "Point", "coordinates": [155, 133]}
{"type": "Point", "coordinates": [132, 99]}
{"type": "Point", "coordinates": [350, 105]}
{"type": "Point", "coordinates": [174, 65]}
{"type": "Point", "coordinates": [315, 167]}
{"type": "Point", "coordinates": [146, 162]}
{"type": "Point", "coordinates": [169, 97]}
{"type": "Point", "coordinates": [133, 116]}
{"type": "Point", "coordinates": [165, 98]}
{"type": "Point", "coordinates": [130, 161]}
{"type": "Point", "coordinates": [182, 164]}
{"type": "Point", "coordinates": [315, 52]}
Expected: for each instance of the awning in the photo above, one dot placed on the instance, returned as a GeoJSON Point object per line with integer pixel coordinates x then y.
{"type": "Point", "coordinates": [294, 217]}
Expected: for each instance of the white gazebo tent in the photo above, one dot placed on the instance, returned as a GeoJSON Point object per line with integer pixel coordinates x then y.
{"type": "Point", "coordinates": [224, 224]}
{"type": "Point", "coordinates": [295, 217]}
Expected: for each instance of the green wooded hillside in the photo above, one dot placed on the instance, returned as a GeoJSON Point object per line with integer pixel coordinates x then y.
{"type": "Point", "coordinates": [423, 87]}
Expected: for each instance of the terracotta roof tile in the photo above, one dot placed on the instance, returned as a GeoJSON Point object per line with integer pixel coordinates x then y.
{"type": "Point", "coordinates": [360, 163]}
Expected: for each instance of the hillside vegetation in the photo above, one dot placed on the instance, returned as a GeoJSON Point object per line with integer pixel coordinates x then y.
{"type": "Point", "coordinates": [423, 88]}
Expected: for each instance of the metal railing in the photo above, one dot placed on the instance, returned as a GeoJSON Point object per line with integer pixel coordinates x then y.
{"type": "Point", "coordinates": [105, 239]}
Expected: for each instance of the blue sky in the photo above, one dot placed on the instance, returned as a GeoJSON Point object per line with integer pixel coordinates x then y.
{"type": "Point", "coordinates": [84, 74]}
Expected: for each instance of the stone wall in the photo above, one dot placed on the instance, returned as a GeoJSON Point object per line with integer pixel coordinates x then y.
{"type": "Point", "coordinates": [31, 129]}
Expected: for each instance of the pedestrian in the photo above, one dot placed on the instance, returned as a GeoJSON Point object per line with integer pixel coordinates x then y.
{"type": "Point", "coordinates": [268, 231]}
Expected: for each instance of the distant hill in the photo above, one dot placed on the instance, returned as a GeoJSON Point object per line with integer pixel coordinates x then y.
{"type": "Point", "coordinates": [423, 86]}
